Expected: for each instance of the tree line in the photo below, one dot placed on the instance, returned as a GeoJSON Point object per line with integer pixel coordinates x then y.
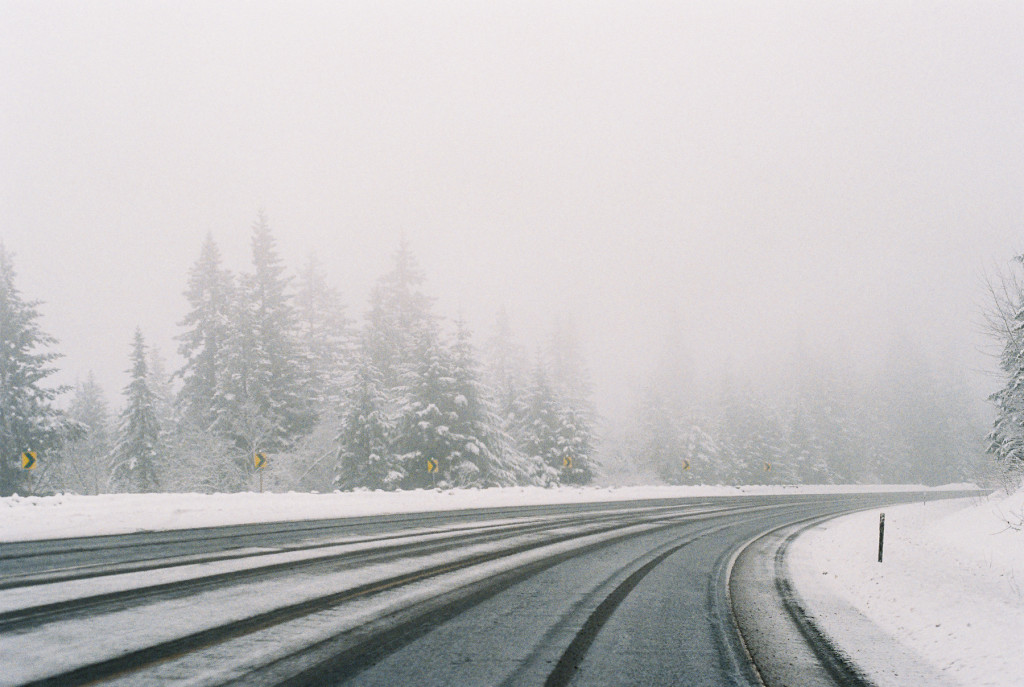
{"type": "Point", "coordinates": [898, 424]}
{"type": "Point", "coordinates": [273, 364]}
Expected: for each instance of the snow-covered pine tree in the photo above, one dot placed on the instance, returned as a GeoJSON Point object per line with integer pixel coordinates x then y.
{"type": "Point", "coordinates": [86, 459]}
{"type": "Point", "coordinates": [209, 293]}
{"type": "Point", "coordinates": [262, 403]}
{"type": "Point", "coordinates": [163, 391]}
{"type": "Point", "coordinates": [507, 372]}
{"type": "Point", "coordinates": [540, 426]}
{"type": "Point", "coordinates": [28, 418]}
{"type": "Point", "coordinates": [137, 450]}
{"type": "Point", "coordinates": [398, 317]}
{"type": "Point", "coordinates": [700, 449]}
{"type": "Point", "coordinates": [365, 458]}
{"type": "Point", "coordinates": [325, 337]}
{"type": "Point", "coordinates": [487, 451]}
{"type": "Point", "coordinates": [279, 382]}
{"type": "Point", "coordinates": [571, 383]}
{"type": "Point", "coordinates": [576, 441]}
{"type": "Point", "coordinates": [1006, 324]}
{"type": "Point", "coordinates": [426, 413]}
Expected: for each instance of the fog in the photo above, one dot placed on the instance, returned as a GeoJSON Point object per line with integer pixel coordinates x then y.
{"type": "Point", "coordinates": [763, 182]}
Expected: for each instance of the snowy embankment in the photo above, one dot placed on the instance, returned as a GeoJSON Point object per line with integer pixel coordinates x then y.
{"type": "Point", "coordinates": [948, 598]}
{"type": "Point", "coordinates": [49, 517]}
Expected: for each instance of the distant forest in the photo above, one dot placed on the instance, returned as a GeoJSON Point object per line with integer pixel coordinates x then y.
{"type": "Point", "coordinates": [271, 363]}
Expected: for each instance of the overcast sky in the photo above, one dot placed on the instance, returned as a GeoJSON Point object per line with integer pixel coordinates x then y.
{"type": "Point", "coordinates": [749, 174]}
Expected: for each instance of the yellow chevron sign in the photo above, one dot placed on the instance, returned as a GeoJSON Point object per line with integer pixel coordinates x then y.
{"type": "Point", "coordinates": [259, 460]}
{"type": "Point", "coordinates": [432, 465]}
{"type": "Point", "coordinates": [767, 466]}
{"type": "Point", "coordinates": [28, 460]}
{"type": "Point", "coordinates": [567, 462]}
{"type": "Point", "coordinates": [686, 464]}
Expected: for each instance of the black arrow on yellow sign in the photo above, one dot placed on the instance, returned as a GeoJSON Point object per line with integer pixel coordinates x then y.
{"type": "Point", "coordinates": [567, 462]}
{"type": "Point", "coordinates": [259, 460]}
{"type": "Point", "coordinates": [686, 464]}
{"type": "Point", "coordinates": [28, 460]}
{"type": "Point", "coordinates": [431, 465]}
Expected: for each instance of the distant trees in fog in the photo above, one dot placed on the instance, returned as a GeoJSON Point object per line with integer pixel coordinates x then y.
{"type": "Point", "coordinates": [406, 399]}
{"type": "Point", "coordinates": [901, 423]}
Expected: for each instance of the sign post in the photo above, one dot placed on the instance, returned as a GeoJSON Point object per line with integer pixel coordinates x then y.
{"type": "Point", "coordinates": [259, 459]}
{"type": "Point", "coordinates": [432, 468]}
{"type": "Point", "coordinates": [29, 462]}
{"type": "Point", "coordinates": [881, 535]}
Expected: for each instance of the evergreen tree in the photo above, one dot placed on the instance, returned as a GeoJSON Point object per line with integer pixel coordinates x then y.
{"type": "Point", "coordinates": [1006, 324]}
{"type": "Point", "coordinates": [163, 393]}
{"type": "Point", "coordinates": [484, 454]}
{"type": "Point", "coordinates": [325, 337]}
{"type": "Point", "coordinates": [364, 454]}
{"type": "Point", "coordinates": [576, 414]}
{"type": "Point", "coordinates": [540, 427]}
{"type": "Point", "coordinates": [507, 372]}
{"type": "Point", "coordinates": [700, 449]}
{"type": "Point", "coordinates": [426, 415]}
{"type": "Point", "coordinates": [28, 419]}
{"type": "Point", "coordinates": [137, 450]}
{"type": "Point", "coordinates": [576, 442]}
{"type": "Point", "coordinates": [398, 319]}
{"type": "Point", "coordinates": [210, 292]}
{"type": "Point", "coordinates": [86, 459]}
{"type": "Point", "coordinates": [262, 385]}
{"type": "Point", "coordinates": [279, 391]}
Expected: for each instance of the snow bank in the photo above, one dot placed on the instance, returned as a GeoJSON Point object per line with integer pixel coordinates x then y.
{"type": "Point", "coordinates": [950, 591]}
{"type": "Point", "coordinates": [48, 517]}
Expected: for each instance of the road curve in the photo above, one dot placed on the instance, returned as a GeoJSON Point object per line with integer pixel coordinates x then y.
{"type": "Point", "coordinates": [601, 594]}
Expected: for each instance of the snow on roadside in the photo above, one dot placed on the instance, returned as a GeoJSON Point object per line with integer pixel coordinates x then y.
{"type": "Point", "coordinates": [66, 515]}
{"type": "Point", "coordinates": [949, 592]}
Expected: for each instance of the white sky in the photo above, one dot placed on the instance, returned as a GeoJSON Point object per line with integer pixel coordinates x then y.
{"type": "Point", "coordinates": [751, 173]}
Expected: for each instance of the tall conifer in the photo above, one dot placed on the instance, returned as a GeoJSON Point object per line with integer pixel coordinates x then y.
{"type": "Point", "coordinates": [137, 450]}
{"type": "Point", "coordinates": [28, 418]}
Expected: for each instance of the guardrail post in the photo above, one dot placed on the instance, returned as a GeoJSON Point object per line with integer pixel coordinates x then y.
{"type": "Point", "coordinates": [881, 535]}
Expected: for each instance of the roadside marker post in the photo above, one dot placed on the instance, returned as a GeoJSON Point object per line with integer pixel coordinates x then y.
{"type": "Point", "coordinates": [259, 459]}
{"type": "Point", "coordinates": [29, 462]}
{"type": "Point", "coordinates": [432, 468]}
{"type": "Point", "coordinates": [881, 535]}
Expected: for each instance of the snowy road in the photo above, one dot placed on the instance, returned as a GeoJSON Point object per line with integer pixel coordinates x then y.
{"type": "Point", "coordinates": [603, 593]}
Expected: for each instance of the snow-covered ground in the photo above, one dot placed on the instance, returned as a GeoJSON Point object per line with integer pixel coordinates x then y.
{"type": "Point", "coordinates": [48, 517]}
{"type": "Point", "coordinates": [948, 600]}
{"type": "Point", "coordinates": [948, 596]}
